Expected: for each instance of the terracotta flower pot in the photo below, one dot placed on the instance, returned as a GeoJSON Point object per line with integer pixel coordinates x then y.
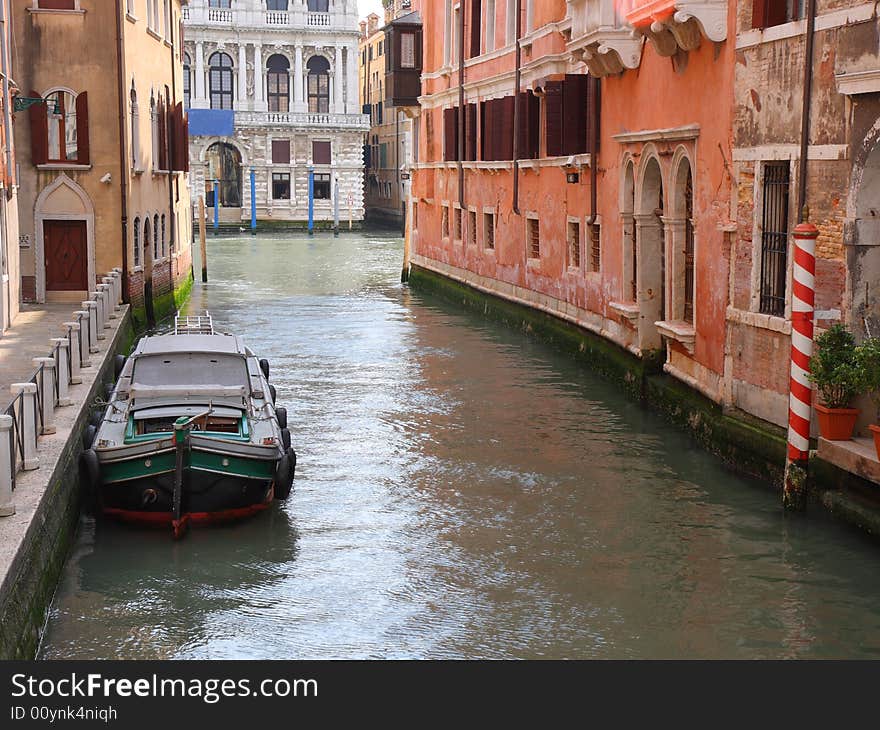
{"type": "Point", "coordinates": [876, 431]}
{"type": "Point", "coordinates": [837, 424]}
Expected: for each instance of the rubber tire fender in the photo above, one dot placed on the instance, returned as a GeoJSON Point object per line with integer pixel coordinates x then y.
{"type": "Point", "coordinates": [118, 364]}
{"type": "Point", "coordinates": [281, 415]}
{"type": "Point", "coordinates": [282, 478]}
{"type": "Point", "coordinates": [291, 457]}
{"type": "Point", "coordinates": [90, 480]}
{"type": "Point", "coordinates": [285, 438]}
{"type": "Point", "coordinates": [88, 437]}
{"type": "Point", "coordinates": [264, 366]}
{"type": "Point", "coordinates": [272, 392]}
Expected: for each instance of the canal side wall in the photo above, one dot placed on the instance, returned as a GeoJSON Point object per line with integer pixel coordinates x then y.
{"type": "Point", "coordinates": [164, 304]}
{"type": "Point", "coordinates": [34, 542]}
{"type": "Point", "coordinates": [745, 444]}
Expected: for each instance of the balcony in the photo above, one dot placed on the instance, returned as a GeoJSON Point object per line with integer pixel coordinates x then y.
{"type": "Point", "coordinates": [260, 18]}
{"type": "Point", "coordinates": [353, 122]}
{"type": "Point", "coordinates": [671, 25]}
{"type": "Point", "coordinates": [601, 38]}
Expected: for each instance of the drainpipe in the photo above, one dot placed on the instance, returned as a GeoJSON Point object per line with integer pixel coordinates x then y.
{"type": "Point", "coordinates": [516, 107]}
{"type": "Point", "coordinates": [805, 113]}
{"type": "Point", "coordinates": [461, 106]}
{"type": "Point", "coordinates": [594, 150]}
{"type": "Point", "coordinates": [123, 152]}
{"type": "Point", "coordinates": [171, 144]}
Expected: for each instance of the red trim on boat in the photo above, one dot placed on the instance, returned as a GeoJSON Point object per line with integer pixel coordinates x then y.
{"type": "Point", "coordinates": [166, 519]}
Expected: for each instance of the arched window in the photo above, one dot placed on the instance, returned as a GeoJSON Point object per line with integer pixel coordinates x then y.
{"type": "Point", "coordinates": [135, 129]}
{"type": "Point", "coordinates": [278, 78]}
{"type": "Point", "coordinates": [319, 85]}
{"type": "Point", "coordinates": [187, 80]}
{"type": "Point", "coordinates": [155, 237]}
{"type": "Point", "coordinates": [220, 80]}
{"type": "Point", "coordinates": [319, 6]}
{"type": "Point", "coordinates": [154, 130]}
{"type": "Point", "coordinates": [61, 118]}
{"type": "Point", "coordinates": [146, 236]}
{"type": "Point", "coordinates": [136, 234]}
{"type": "Point", "coordinates": [163, 236]}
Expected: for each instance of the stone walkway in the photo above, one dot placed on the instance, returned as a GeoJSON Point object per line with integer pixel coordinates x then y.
{"type": "Point", "coordinates": [29, 338]}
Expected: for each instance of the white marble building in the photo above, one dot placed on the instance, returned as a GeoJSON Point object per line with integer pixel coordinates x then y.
{"type": "Point", "coordinates": [272, 86]}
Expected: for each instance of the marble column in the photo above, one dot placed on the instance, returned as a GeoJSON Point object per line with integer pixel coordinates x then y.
{"type": "Point", "coordinates": [242, 78]}
{"type": "Point", "coordinates": [353, 105]}
{"type": "Point", "coordinates": [338, 106]}
{"type": "Point", "coordinates": [259, 79]}
{"type": "Point", "coordinates": [299, 104]}
{"type": "Point", "coordinates": [199, 99]}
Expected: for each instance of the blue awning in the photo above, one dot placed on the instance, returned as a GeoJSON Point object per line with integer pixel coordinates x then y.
{"type": "Point", "coordinates": [211, 122]}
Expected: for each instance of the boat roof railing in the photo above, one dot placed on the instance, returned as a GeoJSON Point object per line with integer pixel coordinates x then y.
{"type": "Point", "coordinates": [194, 324]}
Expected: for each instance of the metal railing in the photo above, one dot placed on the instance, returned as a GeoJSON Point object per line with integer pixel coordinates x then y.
{"type": "Point", "coordinates": [30, 413]}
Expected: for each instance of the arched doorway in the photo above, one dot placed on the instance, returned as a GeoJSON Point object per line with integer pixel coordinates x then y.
{"type": "Point", "coordinates": [224, 165]}
{"type": "Point", "coordinates": [651, 243]}
{"type": "Point", "coordinates": [864, 257]}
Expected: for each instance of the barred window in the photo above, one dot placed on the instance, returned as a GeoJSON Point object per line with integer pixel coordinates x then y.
{"type": "Point", "coordinates": [774, 238]}
{"type": "Point", "coordinates": [574, 244]}
{"type": "Point", "coordinates": [533, 238]}
{"type": "Point", "coordinates": [489, 229]}
{"type": "Point", "coordinates": [595, 233]}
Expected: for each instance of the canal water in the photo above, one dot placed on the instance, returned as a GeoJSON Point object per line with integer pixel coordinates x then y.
{"type": "Point", "coordinates": [462, 491]}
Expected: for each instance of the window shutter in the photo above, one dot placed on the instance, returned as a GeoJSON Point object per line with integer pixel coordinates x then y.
{"type": "Point", "coordinates": [485, 117]}
{"type": "Point", "coordinates": [553, 120]}
{"type": "Point", "coordinates": [529, 110]}
{"type": "Point", "coordinates": [759, 13]}
{"type": "Point", "coordinates": [171, 132]}
{"type": "Point", "coordinates": [82, 128]}
{"type": "Point", "coordinates": [594, 101]}
{"type": "Point", "coordinates": [574, 114]}
{"type": "Point", "coordinates": [476, 26]}
{"type": "Point", "coordinates": [497, 129]}
{"type": "Point", "coordinates": [163, 135]}
{"type": "Point", "coordinates": [39, 132]}
{"type": "Point", "coordinates": [767, 13]}
{"type": "Point", "coordinates": [506, 124]}
{"type": "Point", "coordinates": [450, 134]}
{"type": "Point", "coordinates": [470, 145]}
{"type": "Point", "coordinates": [281, 152]}
{"type": "Point", "coordinates": [320, 152]}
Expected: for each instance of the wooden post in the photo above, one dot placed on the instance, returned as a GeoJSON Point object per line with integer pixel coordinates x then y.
{"type": "Point", "coordinates": [202, 245]}
{"type": "Point", "coordinates": [407, 238]}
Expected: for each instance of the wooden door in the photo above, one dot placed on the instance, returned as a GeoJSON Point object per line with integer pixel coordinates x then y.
{"type": "Point", "coordinates": [64, 244]}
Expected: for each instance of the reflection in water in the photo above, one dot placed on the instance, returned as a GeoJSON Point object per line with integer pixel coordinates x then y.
{"type": "Point", "coordinates": [462, 491]}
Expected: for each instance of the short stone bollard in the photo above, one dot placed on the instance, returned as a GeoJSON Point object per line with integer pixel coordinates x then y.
{"type": "Point", "coordinates": [62, 370]}
{"type": "Point", "coordinates": [82, 316]}
{"type": "Point", "coordinates": [105, 298]}
{"type": "Point", "coordinates": [46, 397]}
{"type": "Point", "coordinates": [28, 421]}
{"type": "Point", "coordinates": [91, 309]}
{"type": "Point", "coordinates": [109, 282]}
{"type": "Point", "coordinates": [101, 314]}
{"type": "Point", "coordinates": [74, 351]}
{"type": "Point", "coordinates": [7, 507]}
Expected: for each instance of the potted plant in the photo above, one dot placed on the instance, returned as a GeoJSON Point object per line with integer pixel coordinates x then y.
{"type": "Point", "coordinates": [868, 359]}
{"type": "Point", "coordinates": [836, 374]}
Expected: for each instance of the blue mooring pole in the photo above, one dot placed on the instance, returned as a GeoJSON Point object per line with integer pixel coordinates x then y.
{"type": "Point", "coordinates": [253, 203]}
{"type": "Point", "coordinates": [216, 206]}
{"type": "Point", "coordinates": [311, 200]}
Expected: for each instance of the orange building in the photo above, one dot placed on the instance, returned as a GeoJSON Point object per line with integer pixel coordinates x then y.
{"type": "Point", "coordinates": [587, 175]}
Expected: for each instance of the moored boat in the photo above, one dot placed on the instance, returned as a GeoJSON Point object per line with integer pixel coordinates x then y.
{"type": "Point", "coordinates": [190, 433]}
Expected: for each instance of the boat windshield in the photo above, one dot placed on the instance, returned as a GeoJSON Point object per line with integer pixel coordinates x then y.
{"type": "Point", "coordinates": [190, 368]}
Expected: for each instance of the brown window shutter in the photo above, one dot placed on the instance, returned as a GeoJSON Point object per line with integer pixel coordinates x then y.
{"type": "Point", "coordinates": [320, 152]}
{"type": "Point", "coordinates": [529, 111]}
{"type": "Point", "coordinates": [574, 114]}
{"type": "Point", "coordinates": [498, 129]}
{"type": "Point", "coordinates": [759, 13]}
{"type": "Point", "coordinates": [483, 136]}
{"type": "Point", "coordinates": [476, 26]}
{"type": "Point", "coordinates": [449, 129]}
{"type": "Point", "coordinates": [39, 132]}
{"type": "Point", "coordinates": [470, 144]}
{"type": "Point", "coordinates": [281, 152]}
{"type": "Point", "coordinates": [185, 146]}
{"type": "Point", "coordinates": [171, 132]}
{"type": "Point", "coordinates": [594, 106]}
{"type": "Point", "coordinates": [553, 118]}
{"type": "Point", "coordinates": [507, 104]}
{"type": "Point", "coordinates": [767, 13]}
{"type": "Point", "coordinates": [82, 129]}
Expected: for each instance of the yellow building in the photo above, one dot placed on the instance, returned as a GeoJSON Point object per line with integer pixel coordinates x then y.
{"type": "Point", "coordinates": [388, 148]}
{"type": "Point", "coordinates": [103, 158]}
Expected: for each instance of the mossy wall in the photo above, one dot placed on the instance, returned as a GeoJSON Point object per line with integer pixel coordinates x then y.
{"type": "Point", "coordinates": [745, 444]}
{"type": "Point", "coordinates": [164, 306]}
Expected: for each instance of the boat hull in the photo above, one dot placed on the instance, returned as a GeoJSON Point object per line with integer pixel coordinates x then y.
{"type": "Point", "coordinates": [217, 487]}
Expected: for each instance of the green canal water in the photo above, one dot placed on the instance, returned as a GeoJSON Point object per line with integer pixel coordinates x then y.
{"type": "Point", "coordinates": [462, 491]}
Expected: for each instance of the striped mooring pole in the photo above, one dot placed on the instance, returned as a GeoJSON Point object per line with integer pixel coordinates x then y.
{"type": "Point", "coordinates": [803, 299]}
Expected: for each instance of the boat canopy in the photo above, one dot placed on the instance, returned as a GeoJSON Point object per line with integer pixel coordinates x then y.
{"type": "Point", "coordinates": [191, 369]}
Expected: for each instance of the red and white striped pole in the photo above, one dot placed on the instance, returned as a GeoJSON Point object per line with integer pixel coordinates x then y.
{"type": "Point", "coordinates": [800, 389]}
